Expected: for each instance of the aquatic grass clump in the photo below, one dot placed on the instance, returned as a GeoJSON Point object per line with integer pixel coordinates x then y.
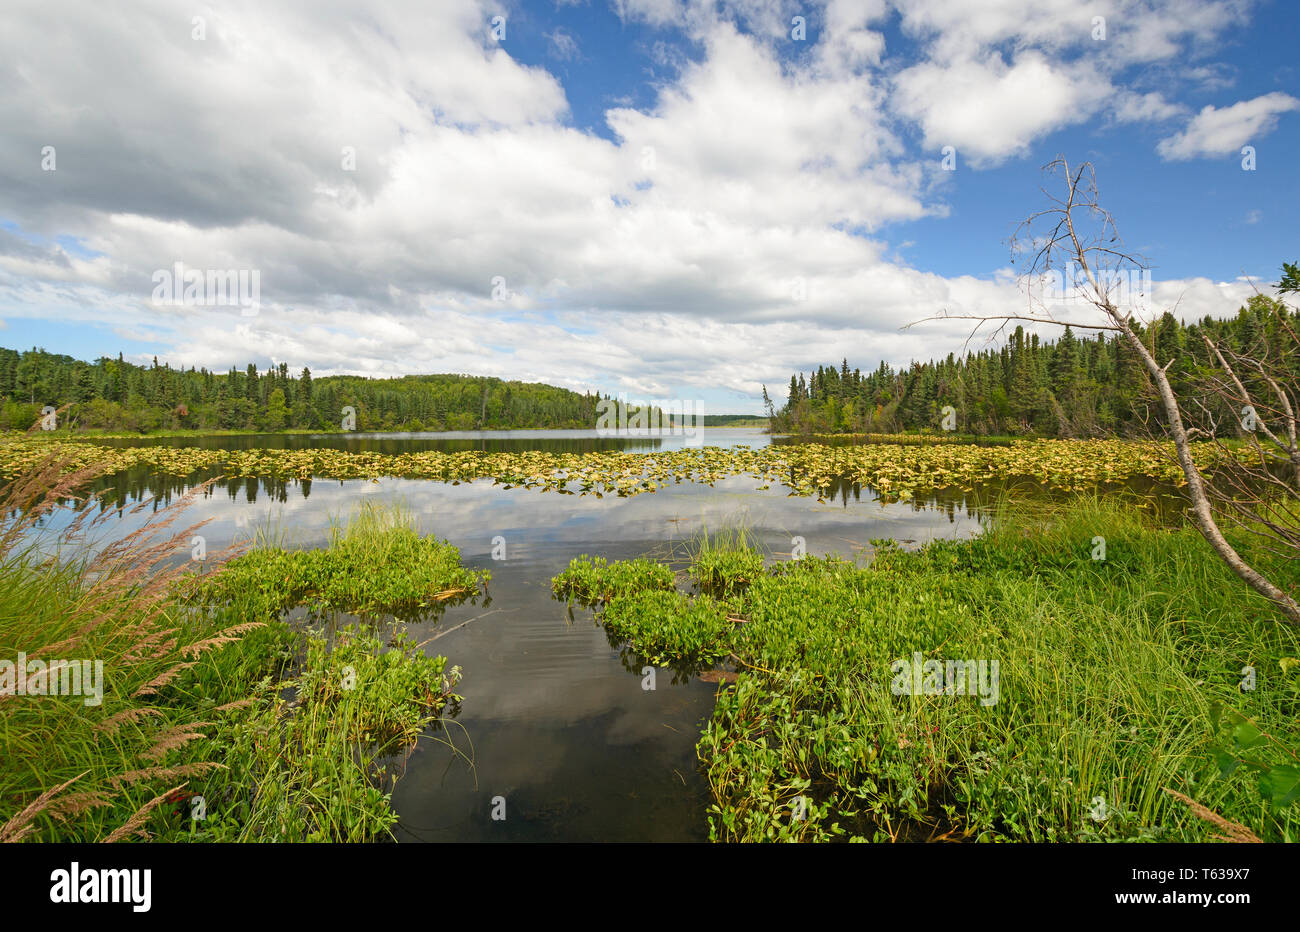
{"type": "Point", "coordinates": [1110, 664]}
{"type": "Point", "coordinates": [196, 718]}
{"type": "Point", "coordinates": [313, 766]}
{"type": "Point", "coordinates": [376, 563]}
{"type": "Point", "coordinates": [591, 581]}
{"type": "Point", "coordinates": [310, 747]}
{"type": "Point", "coordinates": [726, 573]}
{"type": "Point", "coordinates": [666, 627]}
{"type": "Point", "coordinates": [726, 562]}
{"type": "Point", "coordinates": [391, 685]}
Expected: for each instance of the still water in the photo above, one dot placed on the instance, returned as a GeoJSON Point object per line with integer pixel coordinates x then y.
{"type": "Point", "coordinates": [490, 441]}
{"type": "Point", "coordinates": [554, 717]}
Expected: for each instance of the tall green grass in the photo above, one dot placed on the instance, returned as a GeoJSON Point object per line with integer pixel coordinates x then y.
{"type": "Point", "coordinates": [219, 720]}
{"type": "Point", "coordinates": [724, 563]}
{"type": "Point", "coordinates": [75, 770]}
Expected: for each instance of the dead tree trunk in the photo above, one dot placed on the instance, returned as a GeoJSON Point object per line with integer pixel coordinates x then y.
{"type": "Point", "coordinates": [1098, 253]}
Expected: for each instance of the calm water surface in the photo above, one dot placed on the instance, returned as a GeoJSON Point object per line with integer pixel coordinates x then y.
{"type": "Point", "coordinates": [491, 441]}
{"type": "Point", "coordinates": [554, 717]}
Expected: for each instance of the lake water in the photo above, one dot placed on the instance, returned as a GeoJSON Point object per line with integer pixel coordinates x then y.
{"type": "Point", "coordinates": [455, 441]}
{"type": "Point", "coordinates": [554, 716]}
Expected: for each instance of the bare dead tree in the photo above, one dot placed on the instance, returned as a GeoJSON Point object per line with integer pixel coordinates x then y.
{"type": "Point", "coordinates": [1081, 234]}
{"type": "Point", "coordinates": [1252, 394]}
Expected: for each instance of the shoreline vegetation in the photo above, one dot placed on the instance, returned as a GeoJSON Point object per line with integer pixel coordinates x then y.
{"type": "Point", "coordinates": [1119, 715]}
{"type": "Point", "coordinates": [1073, 386]}
{"type": "Point", "coordinates": [93, 434]}
{"type": "Point", "coordinates": [119, 396]}
{"type": "Point", "coordinates": [1118, 709]}
{"type": "Point", "coordinates": [219, 719]}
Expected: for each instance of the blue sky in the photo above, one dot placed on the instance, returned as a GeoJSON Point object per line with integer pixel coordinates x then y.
{"type": "Point", "coordinates": [663, 198]}
{"type": "Point", "coordinates": [611, 64]}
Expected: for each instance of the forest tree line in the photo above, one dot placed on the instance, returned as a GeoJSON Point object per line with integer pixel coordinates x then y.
{"type": "Point", "coordinates": [116, 395]}
{"type": "Point", "coordinates": [1070, 387]}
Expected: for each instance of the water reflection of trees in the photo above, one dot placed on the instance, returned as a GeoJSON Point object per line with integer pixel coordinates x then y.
{"type": "Point", "coordinates": [393, 444]}
{"type": "Point", "coordinates": [140, 484]}
{"type": "Point", "coordinates": [1163, 499]}
{"type": "Point", "coordinates": [130, 487]}
{"type": "Point", "coordinates": [948, 502]}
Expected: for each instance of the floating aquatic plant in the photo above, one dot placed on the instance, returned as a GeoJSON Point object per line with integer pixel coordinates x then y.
{"type": "Point", "coordinates": [895, 471]}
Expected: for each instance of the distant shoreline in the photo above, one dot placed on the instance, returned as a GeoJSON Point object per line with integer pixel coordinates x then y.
{"type": "Point", "coordinates": [64, 434]}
